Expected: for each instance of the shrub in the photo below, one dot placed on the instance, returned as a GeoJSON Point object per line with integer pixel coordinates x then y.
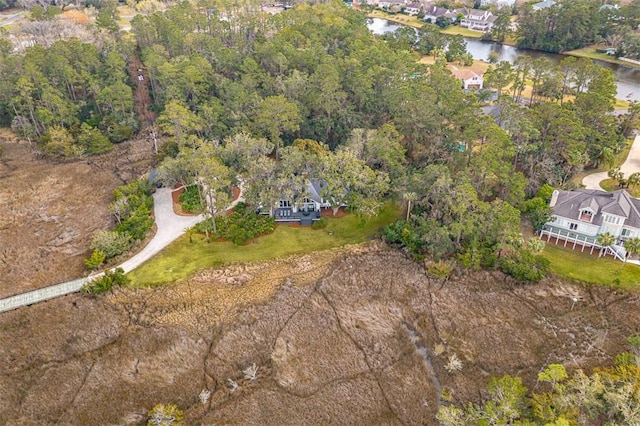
{"type": "Point", "coordinates": [524, 266]}
{"type": "Point", "coordinates": [96, 259]}
{"type": "Point", "coordinates": [111, 243]}
{"type": "Point", "coordinates": [320, 223]}
{"type": "Point", "coordinates": [240, 226]}
{"type": "Point", "coordinates": [190, 199]}
{"type": "Point", "coordinates": [106, 282]}
{"type": "Point", "coordinates": [135, 218]}
{"type": "Point", "coordinates": [137, 225]}
{"type": "Point", "coordinates": [165, 415]}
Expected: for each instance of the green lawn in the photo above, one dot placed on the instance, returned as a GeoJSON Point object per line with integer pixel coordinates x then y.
{"type": "Point", "coordinates": [183, 258]}
{"type": "Point", "coordinates": [458, 30]}
{"type": "Point", "coordinates": [611, 185]}
{"type": "Point", "coordinates": [591, 269]}
{"type": "Point", "coordinates": [590, 52]}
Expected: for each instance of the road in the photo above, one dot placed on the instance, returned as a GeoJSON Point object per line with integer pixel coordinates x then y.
{"type": "Point", "coordinates": [169, 227]}
{"type": "Point", "coordinates": [630, 166]}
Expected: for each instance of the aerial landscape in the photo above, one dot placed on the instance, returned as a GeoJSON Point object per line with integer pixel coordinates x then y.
{"type": "Point", "coordinates": [327, 212]}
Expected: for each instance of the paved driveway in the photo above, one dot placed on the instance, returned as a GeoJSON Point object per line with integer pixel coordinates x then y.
{"type": "Point", "coordinates": [630, 166]}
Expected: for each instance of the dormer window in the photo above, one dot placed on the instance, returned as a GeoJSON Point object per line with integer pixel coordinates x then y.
{"type": "Point", "coordinates": [586, 215]}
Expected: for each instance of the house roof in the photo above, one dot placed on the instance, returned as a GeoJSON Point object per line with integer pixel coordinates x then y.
{"type": "Point", "coordinates": [314, 187]}
{"type": "Point", "coordinates": [414, 5]}
{"type": "Point", "coordinates": [619, 203]}
{"type": "Point", "coordinates": [435, 11]}
{"type": "Point", "coordinates": [463, 74]}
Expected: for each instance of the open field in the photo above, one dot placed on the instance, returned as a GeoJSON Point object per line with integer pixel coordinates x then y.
{"type": "Point", "coordinates": [183, 258]}
{"type": "Point", "coordinates": [458, 30]}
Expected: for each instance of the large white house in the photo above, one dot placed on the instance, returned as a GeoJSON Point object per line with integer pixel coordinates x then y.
{"type": "Point", "coordinates": [480, 20]}
{"type": "Point", "coordinates": [499, 3]}
{"type": "Point", "coordinates": [579, 216]}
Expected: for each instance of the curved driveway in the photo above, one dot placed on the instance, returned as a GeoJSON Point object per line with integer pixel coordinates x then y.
{"type": "Point", "coordinates": [630, 166]}
{"type": "Point", "coordinates": [169, 226]}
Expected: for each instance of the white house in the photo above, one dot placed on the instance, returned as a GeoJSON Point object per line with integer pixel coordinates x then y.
{"type": "Point", "coordinates": [471, 79]}
{"type": "Point", "coordinates": [499, 3]}
{"type": "Point", "coordinates": [579, 216]}
{"type": "Point", "coordinates": [480, 20]}
{"type": "Point", "coordinates": [412, 8]}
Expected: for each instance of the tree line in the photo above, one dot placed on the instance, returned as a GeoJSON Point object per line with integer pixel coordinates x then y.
{"type": "Point", "coordinates": [571, 24]}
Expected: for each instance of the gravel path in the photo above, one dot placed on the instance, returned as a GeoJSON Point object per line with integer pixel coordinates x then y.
{"type": "Point", "coordinates": [631, 165]}
{"type": "Point", "coordinates": [169, 226]}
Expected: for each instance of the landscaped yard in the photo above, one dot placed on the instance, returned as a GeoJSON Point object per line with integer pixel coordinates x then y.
{"type": "Point", "coordinates": [183, 258]}
{"type": "Point", "coordinates": [619, 159]}
{"type": "Point", "coordinates": [590, 52]}
{"type": "Point", "coordinates": [611, 185]}
{"type": "Point", "coordinates": [589, 268]}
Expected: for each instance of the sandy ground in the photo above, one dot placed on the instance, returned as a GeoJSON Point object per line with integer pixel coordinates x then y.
{"type": "Point", "coordinates": [351, 336]}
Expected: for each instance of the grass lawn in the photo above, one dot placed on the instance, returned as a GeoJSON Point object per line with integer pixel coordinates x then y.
{"type": "Point", "coordinates": [611, 185]}
{"type": "Point", "coordinates": [399, 18]}
{"type": "Point", "coordinates": [458, 30]}
{"type": "Point", "coordinates": [591, 269]}
{"type": "Point", "coordinates": [590, 52]}
{"type": "Point", "coordinates": [183, 258]}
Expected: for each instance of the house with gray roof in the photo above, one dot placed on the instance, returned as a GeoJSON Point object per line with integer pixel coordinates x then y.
{"type": "Point", "coordinates": [431, 13]}
{"type": "Point", "coordinates": [480, 20]}
{"type": "Point", "coordinates": [303, 209]}
{"type": "Point", "coordinates": [581, 215]}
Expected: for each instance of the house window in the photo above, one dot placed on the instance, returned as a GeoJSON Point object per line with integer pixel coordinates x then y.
{"type": "Point", "coordinates": [285, 203]}
{"type": "Point", "coordinates": [586, 216]}
{"type": "Point", "coordinates": [573, 226]}
{"type": "Point", "coordinates": [627, 233]}
{"type": "Point", "coordinates": [612, 219]}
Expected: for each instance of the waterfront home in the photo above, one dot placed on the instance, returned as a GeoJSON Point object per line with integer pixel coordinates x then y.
{"type": "Point", "coordinates": [480, 20]}
{"type": "Point", "coordinates": [579, 216]}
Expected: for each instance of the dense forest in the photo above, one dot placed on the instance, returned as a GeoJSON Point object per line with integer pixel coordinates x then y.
{"type": "Point", "coordinates": [311, 93]}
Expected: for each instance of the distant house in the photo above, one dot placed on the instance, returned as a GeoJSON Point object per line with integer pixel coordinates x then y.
{"type": "Point", "coordinates": [412, 8]}
{"type": "Point", "coordinates": [499, 3]}
{"type": "Point", "coordinates": [431, 13]}
{"type": "Point", "coordinates": [581, 215]}
{"type": "Point", "coordinates": [470, 79]}
{"type": "Point", "coordinates": [543, 4]}
{"type": "Point", "coordinates": [305, 209]}
{"type": "Point", "coordinates": [480, 20]}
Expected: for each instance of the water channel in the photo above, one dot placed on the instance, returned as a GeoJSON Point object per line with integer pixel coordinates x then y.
{"type": "Point", "coordinates": [627, 78]}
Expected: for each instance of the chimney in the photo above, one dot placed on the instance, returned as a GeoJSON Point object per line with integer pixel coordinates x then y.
{"type": "Point", "coordinates": [554, 198]}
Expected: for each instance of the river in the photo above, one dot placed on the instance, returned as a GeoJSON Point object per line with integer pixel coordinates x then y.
{"type": "Point", "coordinates": [627, 78]}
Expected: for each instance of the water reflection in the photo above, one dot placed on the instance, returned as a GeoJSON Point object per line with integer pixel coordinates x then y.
{"type": "Point", "coordinates": [627, 78]}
